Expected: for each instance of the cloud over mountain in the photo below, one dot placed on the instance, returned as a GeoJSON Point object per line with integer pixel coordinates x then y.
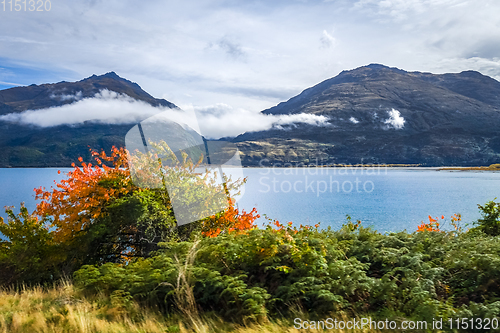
{"type": "Point", "coordinates": [105, 107]}
{"type": "Point", "coordinates": [221, 120]}
{"type": "Point", "coordinates": [395, 120]}
{"type": "Point", "coordinates": [109, 107]}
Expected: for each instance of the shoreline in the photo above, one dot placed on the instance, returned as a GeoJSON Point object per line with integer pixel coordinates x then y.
{"type": "Point", "coordinates": [343, 166]}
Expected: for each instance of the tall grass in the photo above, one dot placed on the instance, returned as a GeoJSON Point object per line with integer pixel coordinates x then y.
{"type": "Point", "coordinates": [62, 308]}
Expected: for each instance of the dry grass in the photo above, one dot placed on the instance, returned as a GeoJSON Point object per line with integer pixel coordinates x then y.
{"type": "Point", "coordinates": [492, 167]}
{"type": "Point", "coordinates": [62, 309]}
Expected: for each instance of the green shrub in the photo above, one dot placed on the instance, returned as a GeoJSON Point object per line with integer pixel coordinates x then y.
{"type": "Point", "coordinates": [28, 254]}
{"type": "Point", "coordinates": [241, 277]}
{"type": "Point", "coordinates": [490, 222]}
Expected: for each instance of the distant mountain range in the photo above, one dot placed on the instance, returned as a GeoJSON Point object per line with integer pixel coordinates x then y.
{"type": "Point", "coordinates": [378, 114]}
{"type": "Point", "coordinates": [374, 114]}
{"type": "Point", "coordinates": [59, 146]}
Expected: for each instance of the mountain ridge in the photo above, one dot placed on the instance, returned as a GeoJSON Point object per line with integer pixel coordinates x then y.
{"type": "Point", "coordinates": [35, 97]}
{"type": "Point", "coordinates": [444, 119]}
{"type": "Point", "coordinates": [59, 146]}
{"type": "Point", "coordinates": [376, 114]}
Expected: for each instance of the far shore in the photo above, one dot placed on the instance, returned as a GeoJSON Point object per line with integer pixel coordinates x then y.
{"type": "Point", "coordinates": [287, 165]}
{"type": "Point", "coordinates": [386, 166]}
{"type": "Point", "coordinates": [481, 168]}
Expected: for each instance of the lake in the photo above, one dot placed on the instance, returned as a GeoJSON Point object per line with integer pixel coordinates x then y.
{"type": "Point", "coordinates": [389, 199]}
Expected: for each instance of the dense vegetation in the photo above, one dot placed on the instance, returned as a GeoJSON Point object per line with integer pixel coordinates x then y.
{"type": "Point", "coordinates": [120, 246]}
{"type": "Point", "coordinates": [268, 272]}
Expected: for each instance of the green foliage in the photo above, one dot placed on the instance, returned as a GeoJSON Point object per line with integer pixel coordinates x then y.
{"type": "Point", "coordinates": [28, 255]}
{"type": "Point", "coordinates": [490, 223]}
{"type": "Point", "coordinates": [99, 215]}
{"type": "Point", "coordinates": [196, 196]}
{"type": "Point", "coordinates": [354, 270]}
{"type": "Point", "coordinates": [140, 221]}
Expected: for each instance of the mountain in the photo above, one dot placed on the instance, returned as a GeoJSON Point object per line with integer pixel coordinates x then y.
{"type": "Point", "coordinates": [43, 96]}
{"type": "Point", "coordinates": [379, 114]}
{"type": "Point", "coordinates": [375, 114]}
{"type": "Point", "coordinates": [59, 146]}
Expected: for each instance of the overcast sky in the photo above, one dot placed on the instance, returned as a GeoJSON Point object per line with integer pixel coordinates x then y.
{"type": "Point", "coordinates": [243, 56]}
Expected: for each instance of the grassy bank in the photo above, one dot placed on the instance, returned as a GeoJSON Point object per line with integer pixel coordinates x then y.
{"type": "Point", "coordinates": [492, 167]}
{"type": "Point", "coordinates": [62, 308]}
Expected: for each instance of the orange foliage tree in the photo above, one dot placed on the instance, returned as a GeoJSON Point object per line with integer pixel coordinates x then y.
{"type": "Point", "coordinates": [76, 203]}
{"type": "Point", "coordinates": [81, 198]}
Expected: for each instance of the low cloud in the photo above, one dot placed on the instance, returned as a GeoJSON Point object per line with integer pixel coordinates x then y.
{"type": "Point", "coordinates": [222, 120]}
{"type": "Point", "coordinates": [108, 107]}
{"type": "Point", "coordinates": [395, 120]}
{"type": "Point", "coordinates": [353, 120]}
{"type": "Point", "coordinates": [105, 107]}
{"type": "Point", "coordinates": [76, 97]}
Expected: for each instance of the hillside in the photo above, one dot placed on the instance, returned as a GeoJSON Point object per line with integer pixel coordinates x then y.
{"type": "Point", "coordinates": [376, 114]}
{"type": "Point", "coordinates": [58, 146]}
{"type": "Point", "coordinates": [379, 114]}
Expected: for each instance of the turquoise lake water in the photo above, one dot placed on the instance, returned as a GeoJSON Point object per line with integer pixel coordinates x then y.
{"type": "Point", "coordinates": [387, 199]}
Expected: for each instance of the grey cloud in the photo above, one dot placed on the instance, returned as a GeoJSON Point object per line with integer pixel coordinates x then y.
{"type": "Point", "coordinates": [327, 40]}
{"type": "Point", "coordinates": [231, 48]}
{"type": "Point", "coordinates": [263, 92]}
{"type": "Point", "coordinates": [91, 3]}
{"type": "Point", "coordinates": [488, 49]}
{"type": "Point", "coordinates": [11, 39]}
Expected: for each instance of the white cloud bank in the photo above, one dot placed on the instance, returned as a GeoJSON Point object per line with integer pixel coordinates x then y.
{"type": "Point", "coordinates": [105, 107]}
{"type": "Point", "coordinates": [221, 120]}
{"type": "Point", "coordinates": [108, 107]}
{"type": "Point", "coordinates": [395, 120]}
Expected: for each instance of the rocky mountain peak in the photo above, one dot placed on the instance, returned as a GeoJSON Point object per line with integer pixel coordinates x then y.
{"type": "Point", "coordinates": [36, 97]}
{"type": "Point", "coordinates": [388, 115]}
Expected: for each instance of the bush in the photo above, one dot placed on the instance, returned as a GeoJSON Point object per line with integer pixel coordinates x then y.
{"type": "Point", "coordinates": [99, 211]}
{"type": "Point", "coordinates": [29, 254]}
{"type": "Point", "coordinates": [490, 223]}
{"type": "Point", "coordinates": [355, 270]}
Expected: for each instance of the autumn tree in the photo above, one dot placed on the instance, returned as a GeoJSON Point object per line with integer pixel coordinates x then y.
{"type": "Point", "coordinates": [101, 211]}
{"type": "Point", "coordinates": [83, 197]}
{"type": "Point", "coordinates": [199, 192]}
